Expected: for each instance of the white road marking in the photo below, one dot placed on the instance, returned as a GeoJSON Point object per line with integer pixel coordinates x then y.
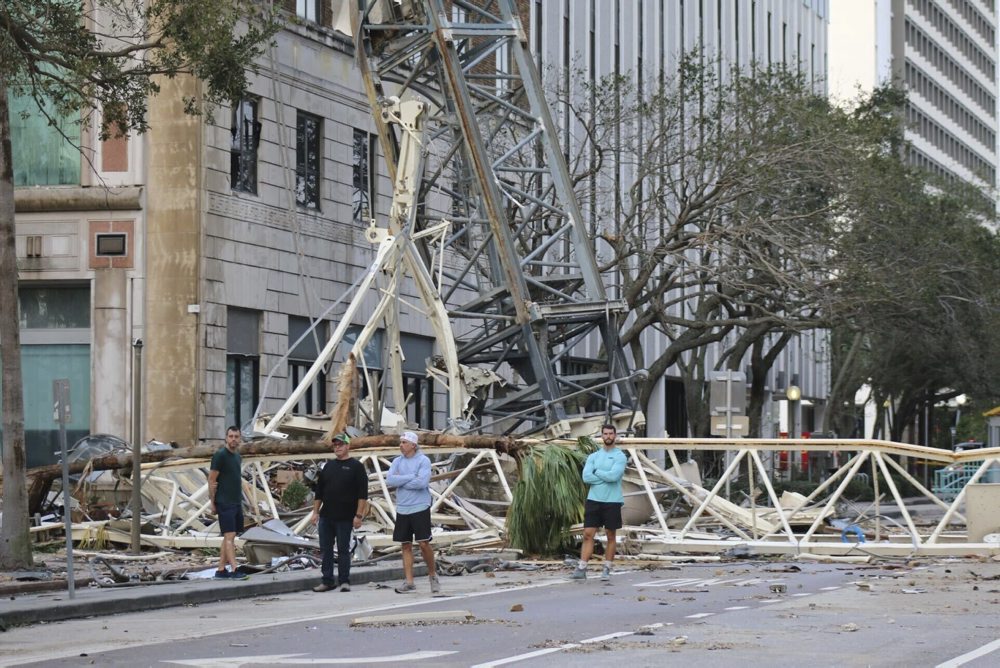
{"type": "Point", "coordinates": [551, 650]}
{"type": "Point", "coordinates": [609, 636]}
{"type": "Point", "coordinates": [296, 659]}
{"type": "Point", "coordinates": [802, 594]}
{"type": "Point", "coordinates": [700, 582]}
{"type": "Point", "coordinates": [829, 588]}
{"type": "Point", "coordinates": [676, 582]}
{"type": "Point", "coordinates": [700, 615]}
{"type": "Point", "coordinates": [770, 600]}
{"type": "Point", "coordinates": [529, 655]}
{"type": "Point", "coordinates": [738, 607]}
{"type": "Point", "coordinates": [971, 656]}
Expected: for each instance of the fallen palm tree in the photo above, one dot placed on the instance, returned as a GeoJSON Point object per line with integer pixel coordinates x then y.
{"type": "Point", "coordinates": [548, 497]}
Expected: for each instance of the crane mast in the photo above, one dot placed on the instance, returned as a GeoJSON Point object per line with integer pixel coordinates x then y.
{"type": "Point", "coordinates": [520, 282]}
{"type": "Point", "coordinates": [485, 221]}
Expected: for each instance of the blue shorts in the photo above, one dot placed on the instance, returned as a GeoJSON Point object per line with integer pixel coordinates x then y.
{"type": "Point", "coordinates": [230, 517]}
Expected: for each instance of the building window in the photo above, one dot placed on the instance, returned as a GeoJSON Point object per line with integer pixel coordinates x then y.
{"type": "Point", "coordinates": [300, 359]}
{"type": "Point", "coordinates": [43, 143]}
{"type": "Point", "coordinates": [308, 151]}
{"type": "Point", "coordinates": [370, 363]}
{"type": "Point", "coordinates": [54, 307]}
{"type": "Point", "coordinates": [246, 138]}
{"type": "Point", "coordinates": [417, 387]}
{"type": "Point", "coordinates": [307, 9]}
{"type": "Point", "coordinates": [55, 344]}
{"type": "Point", "coordinates": [363, 197]}
{"type": "Point", "coordinates": [242, 365]}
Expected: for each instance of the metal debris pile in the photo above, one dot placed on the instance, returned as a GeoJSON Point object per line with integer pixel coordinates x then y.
{"type": "Point", "coordinates": [470, 491]}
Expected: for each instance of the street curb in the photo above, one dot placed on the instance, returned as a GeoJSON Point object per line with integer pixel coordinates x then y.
{"type": "Point", "coordinates": [96, 601]}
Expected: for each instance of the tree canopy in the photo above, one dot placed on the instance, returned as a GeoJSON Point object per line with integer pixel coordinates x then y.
{"type": "Point", "coordinates": [738, 208]}
{"type": "Point", "coordinates": [107, 54]}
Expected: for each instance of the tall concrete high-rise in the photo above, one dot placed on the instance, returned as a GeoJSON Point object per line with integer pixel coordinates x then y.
{"type": "Point", "coordinates": [945, 54]}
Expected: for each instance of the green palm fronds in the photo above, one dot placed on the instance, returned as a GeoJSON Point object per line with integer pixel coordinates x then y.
{"type": "Point", "coordinates": [549, 496]}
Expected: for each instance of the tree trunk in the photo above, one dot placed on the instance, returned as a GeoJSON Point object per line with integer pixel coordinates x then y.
{"type": "Point", "coordinates": [842, 392]}
{"type": "Point", "coordinates": [15, 544]}
{"type": "Point", "coordinates": [42, 476]}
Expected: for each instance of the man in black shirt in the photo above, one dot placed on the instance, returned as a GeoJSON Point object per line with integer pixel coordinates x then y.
{"type": "Point", "coordinates": [341, 503]}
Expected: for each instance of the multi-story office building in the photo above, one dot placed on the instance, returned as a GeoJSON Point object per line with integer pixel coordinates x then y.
{"type": "Point", "coordinates": [643, 41]}
{"type": "Point", "coordinates": [945, 54]}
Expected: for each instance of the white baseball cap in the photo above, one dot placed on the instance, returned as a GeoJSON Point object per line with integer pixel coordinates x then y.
{"type": "Point", "coordinates": [409, 436]}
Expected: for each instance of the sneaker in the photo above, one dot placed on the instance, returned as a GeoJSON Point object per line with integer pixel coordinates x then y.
{"type": "Point", "coordinates": [579, 574]}
{"type": "Point", "coordinates": [236, 575]}
{"type": "Point", "coordinates": [606, 573]}
{"type": "Point", "coordinates": [345, 586]}
{"type": "Point", "coordinates": [435, 585]}
{"type": "Point", "coordinates": [322, 587]}
{"type": "Point", "coordinates": [406, 588]}
{"type": "Point", "coordinates": [222, 575]}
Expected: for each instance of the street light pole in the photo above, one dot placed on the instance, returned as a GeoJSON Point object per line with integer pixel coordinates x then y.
{"type": "Point", "coordinates": [136, 542]}
{"type": "Point", "coordinates": [960, 401]}
{"type": "Point", "coordinates": [793, 394]}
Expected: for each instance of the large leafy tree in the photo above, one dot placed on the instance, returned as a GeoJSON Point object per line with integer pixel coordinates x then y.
{"type": "Point", "coordinates": [105, 58]}
{"type": "Point", "coordinates": [735, 209]}
{"type": "Point", "coordinates": [917, 266]}
{"type": "Point", "coordinates": [923, 279]}
{"type": "Point", "coordinates": [718, 195]}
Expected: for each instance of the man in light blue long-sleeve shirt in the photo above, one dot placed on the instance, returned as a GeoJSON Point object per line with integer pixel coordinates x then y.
{"type": "Point", "coordinates": [410, 474]}
{"type": "Point", "coordinates": [603, 472]}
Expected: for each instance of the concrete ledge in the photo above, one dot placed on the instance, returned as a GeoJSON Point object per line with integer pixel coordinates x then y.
{"type": "Point", "coordinates": [77, 198]}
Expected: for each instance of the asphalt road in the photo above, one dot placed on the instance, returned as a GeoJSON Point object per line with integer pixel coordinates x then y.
{"type": "Point", "coordinates": [743, 614]}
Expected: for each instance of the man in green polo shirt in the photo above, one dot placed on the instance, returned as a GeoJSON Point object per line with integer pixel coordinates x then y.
{"type": "Point", "coordinates": [225, 490]}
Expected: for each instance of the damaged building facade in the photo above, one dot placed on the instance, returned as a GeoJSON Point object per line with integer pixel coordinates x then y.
{"type": "Point", "coordinates": [216, 243]}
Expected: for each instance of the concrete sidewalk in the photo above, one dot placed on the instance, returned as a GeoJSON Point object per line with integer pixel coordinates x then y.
{"type": "Point", "coordinates": [95, 601]}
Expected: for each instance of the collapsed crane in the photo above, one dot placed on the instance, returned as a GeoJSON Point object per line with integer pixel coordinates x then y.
{"type": "Point", "coordinates": [485, 222]}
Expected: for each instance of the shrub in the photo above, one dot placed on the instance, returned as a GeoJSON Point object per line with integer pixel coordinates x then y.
{"type": "Point", "coordinates": [294, 495]}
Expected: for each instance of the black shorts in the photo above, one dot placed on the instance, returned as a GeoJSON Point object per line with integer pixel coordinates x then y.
{"type": "Point", "coordinates": [415, 526]}
{"type": "Point", "coordinates": [230, 517]}
{"type": "Point", "coordinates": [602, 514]}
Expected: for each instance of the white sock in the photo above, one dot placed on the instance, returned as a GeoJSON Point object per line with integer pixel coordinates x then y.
{"type": "Point", "coordinates": [582, 565]}
{"type": "Point", "coordinates": [607, 565]}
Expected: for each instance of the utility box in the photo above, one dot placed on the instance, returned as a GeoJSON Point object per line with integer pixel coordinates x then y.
{"type": "Point", "coordinates": [982, 510]}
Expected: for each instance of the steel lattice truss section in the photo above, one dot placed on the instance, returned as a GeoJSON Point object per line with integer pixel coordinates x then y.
{"type": "Point", "coordinates": [521, 279]}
